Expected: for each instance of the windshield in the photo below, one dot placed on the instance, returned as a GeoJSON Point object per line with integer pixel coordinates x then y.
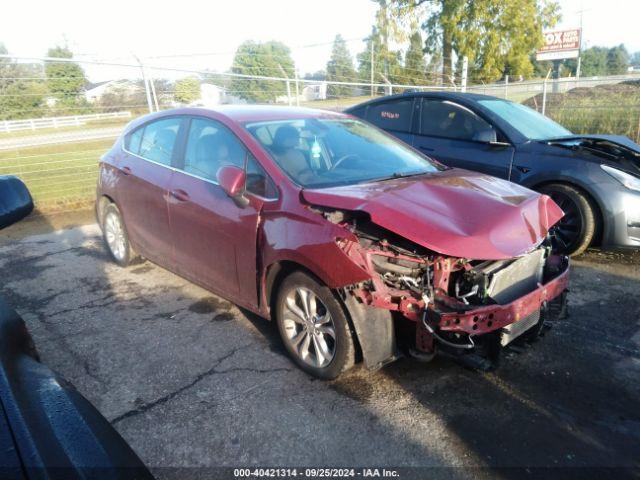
{"type": "Point", "coordinates": [328, 152]}
{"type": "Point", "coordinates": [527, 121]}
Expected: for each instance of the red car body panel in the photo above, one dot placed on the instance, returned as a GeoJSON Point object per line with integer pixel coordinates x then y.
{"type": "Point", "coordinates": [456, 212]}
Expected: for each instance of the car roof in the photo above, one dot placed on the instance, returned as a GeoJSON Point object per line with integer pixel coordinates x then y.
{"type": "Point", "coordinates": [433, 94]}
{"type": "Point", "coordinates": [253, 113]}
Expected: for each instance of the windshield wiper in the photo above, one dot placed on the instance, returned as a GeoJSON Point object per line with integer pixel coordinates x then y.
{"type": "Point", "coordinates": [395, 175]}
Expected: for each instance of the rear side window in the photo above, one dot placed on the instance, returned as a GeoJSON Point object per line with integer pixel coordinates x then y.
{"type": "Point", "coordinates": [442, 118]}
{"type": "Point", "coordinates": [395, 115]}
{"type": "Point", "coordinates": [159, 139]}
{"type": "Point", "coordinates": [211, 145]}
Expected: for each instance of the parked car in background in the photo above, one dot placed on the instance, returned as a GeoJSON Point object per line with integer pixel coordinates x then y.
{"type": "Point", "coordinates": [47, 429]}
{"type": "Point", "coordinates": [595, 179]}
{"type": "Point", "coordinates": [358, 246]}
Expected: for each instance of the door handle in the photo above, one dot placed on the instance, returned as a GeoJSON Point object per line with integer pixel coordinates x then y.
{"type": "Point", "coordinates": [126, 170]}
{"type": "Point", "coordinates": [426, 149]}
{"type": "Point", "coordinates": [523, 169]}
{"type": "Point", "coordinates": [179, 195]}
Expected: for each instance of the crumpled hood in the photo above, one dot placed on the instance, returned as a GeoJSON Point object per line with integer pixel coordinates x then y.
{"type": "Point", "coordinates": [615, 150]}
{"type": "Point", "coordinates": [456, 212]}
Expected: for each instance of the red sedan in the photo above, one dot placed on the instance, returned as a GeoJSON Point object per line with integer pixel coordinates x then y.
{"type": "Point", "coordinates": [359, 247]}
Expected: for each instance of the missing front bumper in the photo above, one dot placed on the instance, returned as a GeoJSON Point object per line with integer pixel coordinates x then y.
{"type": "Point", "coordinates": [499, 325]}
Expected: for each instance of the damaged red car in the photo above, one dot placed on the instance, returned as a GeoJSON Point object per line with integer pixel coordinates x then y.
{"type": "Point", "coordinates": [357, 246]}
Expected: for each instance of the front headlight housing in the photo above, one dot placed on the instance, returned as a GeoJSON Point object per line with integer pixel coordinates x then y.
{"type": "Point", "coordinates": [626, 179]}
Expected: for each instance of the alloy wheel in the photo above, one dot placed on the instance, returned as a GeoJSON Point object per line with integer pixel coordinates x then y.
{"type": "Point", "coordinates": [309, 328]}
{"type": "Point", "coordinates": [114, 234]}
{"type": "Point", "coordinates": [569, 230]}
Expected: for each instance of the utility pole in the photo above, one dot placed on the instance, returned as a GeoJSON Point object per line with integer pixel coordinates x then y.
{"type": "Point", "coordinates": [153, 93]}
{"type": "Point", "coordinates": [372, 78]}
{"type": "Point", "coordinates": [295, 71]}
{"type": "Point", "coordinates": [284, 74]}
{"type": "Point", "coordinates": [146, 84]}
{"type": "Point", "coordinates": [463, 78]}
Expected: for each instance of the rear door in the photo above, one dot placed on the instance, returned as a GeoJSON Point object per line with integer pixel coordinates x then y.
{"type": "Point", "coordinates": [214, 238]}
{"type": "Point", "coordinates": [456, 136]}
{"type": "Point", "coordinates": [145, 173]}
{"type": "Point", "coordinates": [396, 116]}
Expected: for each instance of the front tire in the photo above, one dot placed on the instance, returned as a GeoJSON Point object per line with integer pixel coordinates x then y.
{"type": "Point", "coordinates": [115, 236]}
{"type": "Point", "coordinates": [575, 231]}
{"type": "Point", "coordinates": [313, 327]}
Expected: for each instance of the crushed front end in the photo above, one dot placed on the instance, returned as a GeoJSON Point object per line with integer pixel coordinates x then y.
{"type": "Point", "coordinates": [465, 308]}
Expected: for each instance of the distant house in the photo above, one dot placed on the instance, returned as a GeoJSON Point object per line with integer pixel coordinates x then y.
{"type": "Point", "coordinates": [210, 95]}
{"type": "Point", "coordinates": [315, 91]}
{"type": "Point", "coordinates": [96, 91]}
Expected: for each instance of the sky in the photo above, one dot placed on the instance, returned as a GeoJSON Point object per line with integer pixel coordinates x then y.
{"type": "Point", "coordinates": [118, 29]}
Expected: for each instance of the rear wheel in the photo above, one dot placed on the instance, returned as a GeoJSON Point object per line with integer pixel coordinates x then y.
{"type": "Point", "coordinates": [115, 236]}
{"type": "Point", "coordinates": [313, 327]}
{"type": "Point", "coordinates": [575, 231]}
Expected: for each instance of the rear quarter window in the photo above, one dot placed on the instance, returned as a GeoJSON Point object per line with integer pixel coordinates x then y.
{"type": "Point", "coordinates": [132, 141]}
{"type": "Point", "coordinates": [394, 115]}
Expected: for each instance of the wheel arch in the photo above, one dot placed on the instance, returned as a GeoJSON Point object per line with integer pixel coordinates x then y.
{"type": "Point", "coordinates": [101, 204]}
{"type": "Point", "coordinates": [593, 200]}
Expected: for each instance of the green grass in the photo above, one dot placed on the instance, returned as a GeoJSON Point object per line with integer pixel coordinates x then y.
{"type": "Point", "coordinates": [57, 175]}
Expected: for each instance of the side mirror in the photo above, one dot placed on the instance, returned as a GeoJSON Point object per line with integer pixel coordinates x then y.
{"type": "Point", "coordinates": [15, 200]}
{"type": "Point", "coordinates": [232, 180]}
{"type": "Point", "coordinates": [487, 135]}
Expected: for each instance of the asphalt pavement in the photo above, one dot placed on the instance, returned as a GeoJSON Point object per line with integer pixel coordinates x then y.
{"type": "Point", "coordinates": [193, 382]}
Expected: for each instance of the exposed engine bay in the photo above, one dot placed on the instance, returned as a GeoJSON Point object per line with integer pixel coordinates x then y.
{"type": "Point", "coordinates": [453, 305]}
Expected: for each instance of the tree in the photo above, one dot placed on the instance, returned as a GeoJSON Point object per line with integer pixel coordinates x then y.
{"type": "Point", "coordinates": [320, 75]}
{"type": "Point", "coordinates": [497, 36]}
{"type": "Point", "coordinates": [271, 59]}
{"type": "Point", "coordinates": [617, 60]}
{"type": "Point", "coordinates": [22, 92]}
{"type": "Point", "coordinates": [386, 63]}
{"type": "Point", "coordinates": [340, 69]}
{"type": "Point", "coordinates": [65, 80]}
{"type": "Point", "coordinates": [635, 60]}
{"type": "Point", "coordinates": [594, 62]}
{"type": "Point", "coordinates": [187, 90]}
{"type": "Point", "coordinates": [414, 63]}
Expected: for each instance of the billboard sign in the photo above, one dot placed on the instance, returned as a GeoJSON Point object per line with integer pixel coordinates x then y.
{"type": "Point", "coordinates": [560, 44]}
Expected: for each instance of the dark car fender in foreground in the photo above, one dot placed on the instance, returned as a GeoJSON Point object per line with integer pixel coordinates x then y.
{"type": "Point", "coordinates": [47, 429]}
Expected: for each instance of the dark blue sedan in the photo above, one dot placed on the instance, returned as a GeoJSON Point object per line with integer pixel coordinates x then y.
{"type": "Point", "coordinates": [595, 179]}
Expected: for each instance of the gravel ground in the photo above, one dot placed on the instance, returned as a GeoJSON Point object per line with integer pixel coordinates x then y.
{"type": "Point", "coordinates": [190, 380]}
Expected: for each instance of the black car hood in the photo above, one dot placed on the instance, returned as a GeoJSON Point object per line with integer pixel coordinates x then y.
{"type": "Point", "coordinates": [616, 150]}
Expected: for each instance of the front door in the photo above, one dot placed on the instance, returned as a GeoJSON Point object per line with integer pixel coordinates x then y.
{"type": "Point", "coordinates": [214, 239]}
{"type": "Point", "coordinates": [456, 136]}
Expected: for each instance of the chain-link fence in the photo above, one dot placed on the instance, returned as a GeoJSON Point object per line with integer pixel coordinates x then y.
{"type": "Point", "coordinates": [55, 125]}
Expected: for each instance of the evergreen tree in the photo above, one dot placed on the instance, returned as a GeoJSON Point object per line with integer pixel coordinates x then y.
{"type": "Point", "coordinates": [617, 60]}
{"type": "Point", "coordinates": [187, 90]}
{"type": "Point", "coordinates": [65, 80]}
{"type": "Point", "coordinates": [414, 63]}
{"type": "Point", "coordinates": [268, 59]}
{"type": "Point", "coordinates": [340, 69]}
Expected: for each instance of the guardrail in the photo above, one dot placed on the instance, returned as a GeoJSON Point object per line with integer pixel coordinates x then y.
{"type": "Point", "coordinates": [57, 122]}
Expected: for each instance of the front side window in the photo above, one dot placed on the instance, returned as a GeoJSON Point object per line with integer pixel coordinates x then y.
{"type": "Point", "coordinates": [319, 152]}
{"type": "Point", "coordinates": [258, 182]}
{"type": "Point", "coordinates": [210, 145]}
{"type": "Point", "coordinates": [159, 139]}
{"type": "Point", "coordinates": [442, 118]}
{"type": "Point", "coordinates": [395, 115]}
